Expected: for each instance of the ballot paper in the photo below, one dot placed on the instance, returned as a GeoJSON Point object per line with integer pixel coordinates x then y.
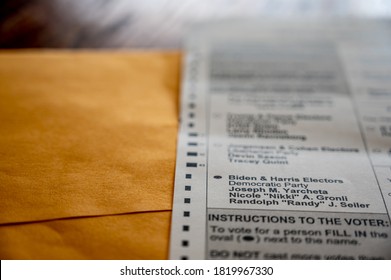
{"type": "Point", "coordinates": [284, 148]}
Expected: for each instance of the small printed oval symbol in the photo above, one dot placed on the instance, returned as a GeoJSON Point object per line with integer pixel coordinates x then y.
{"type": "Point", "coordinates": [248, 238]}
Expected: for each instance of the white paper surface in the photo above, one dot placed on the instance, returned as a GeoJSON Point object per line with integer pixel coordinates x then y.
{"type": "Point", "coordinates": [284, 147]}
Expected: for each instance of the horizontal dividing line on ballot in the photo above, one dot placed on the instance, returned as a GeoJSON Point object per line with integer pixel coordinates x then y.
{"type": "Point", "coordinates": [291, 210]}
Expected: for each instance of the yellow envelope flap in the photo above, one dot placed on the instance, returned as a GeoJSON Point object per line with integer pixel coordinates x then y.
{"type": "Point", "coordinates": [86, 133]}
{"type": "Point", "coordinates": [129, 236]}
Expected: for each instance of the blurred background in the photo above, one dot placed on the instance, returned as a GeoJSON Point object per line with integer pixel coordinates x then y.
{"type": "Point", "coordinates": [149, 23]}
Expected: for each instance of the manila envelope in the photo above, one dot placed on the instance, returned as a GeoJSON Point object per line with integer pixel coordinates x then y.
{"type": "Point", "coordinates": [87, 154]}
